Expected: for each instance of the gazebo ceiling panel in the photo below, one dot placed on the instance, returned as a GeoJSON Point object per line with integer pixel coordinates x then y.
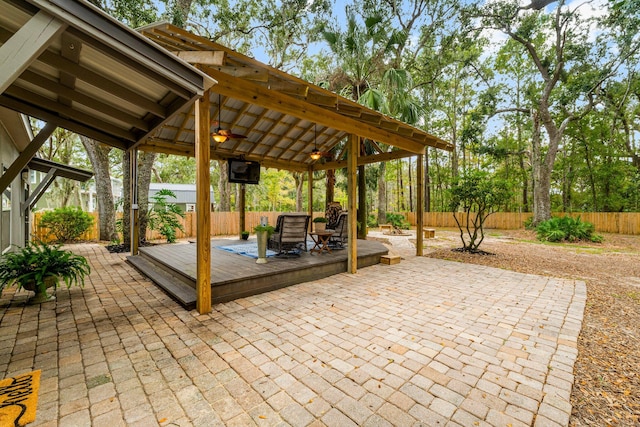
{"type": "Point", "coordinates": [276, 112]}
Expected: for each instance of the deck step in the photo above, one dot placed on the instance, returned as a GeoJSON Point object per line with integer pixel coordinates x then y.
{"type": "Point", "coordinates": [173, 286]}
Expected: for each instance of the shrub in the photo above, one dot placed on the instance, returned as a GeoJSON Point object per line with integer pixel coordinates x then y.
{"type": "Point", "coordinates": [372, 221]}
{"type": "Point", "coordinates": [397, 220]}
{"type": "Point", "coordinates": [567, 229]}
{"type": "Point", "coordinates": [474, 196]}
{"type": "Point", "coordinates": [66, 224]}
{"type": "Point", "coordinates": [164, 215]}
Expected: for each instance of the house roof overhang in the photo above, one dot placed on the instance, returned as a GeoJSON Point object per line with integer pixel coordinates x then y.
{"type": "Point", "coordinates": [60, 169]}
{"type": "Point", "coordinates": [283, 117]}
{"type": "Point", "coordinates": [68, 63]}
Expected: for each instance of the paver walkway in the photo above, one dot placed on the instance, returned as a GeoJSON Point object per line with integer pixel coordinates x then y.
{"type": "Point", "coordinates": [424, 342]}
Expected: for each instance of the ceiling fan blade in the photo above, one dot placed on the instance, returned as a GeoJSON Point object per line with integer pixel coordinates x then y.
{"type": "Point", "coordinates": [229, 134]}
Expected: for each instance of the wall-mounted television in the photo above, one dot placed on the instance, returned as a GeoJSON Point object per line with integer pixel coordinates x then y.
{"type": "Point", "coordinates": [243, 171]}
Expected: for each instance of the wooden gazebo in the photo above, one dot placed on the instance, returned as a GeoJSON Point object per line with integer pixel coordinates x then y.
{"type": "Point", "coordinates": [71, 65]}
{"type": "Point", "coordinates": [283, 118]}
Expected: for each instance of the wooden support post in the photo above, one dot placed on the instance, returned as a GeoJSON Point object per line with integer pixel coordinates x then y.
{"type": "Point", "coordinates": [352, 194]}
{"type": "Point", "coordinates": [26, 45]}
{"type": "Point", "coordinates": [203, 205]}
{"type": "Point", "coordinates": [134, 234]}
{"type": "Point", "coordinates": [243, 215]}
{"type": "Point", "coordinates": [310, 192]}
{"type": "Point", "coordinates": [419, 205]}
{"type": "Point", "coordinates": [25, 157]}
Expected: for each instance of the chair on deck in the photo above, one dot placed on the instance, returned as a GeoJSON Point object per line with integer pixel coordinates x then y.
{"type": "Point", "coordinates": [290, 233]}
{"type": "Point", "coordinates": [332, 214]}
{"type": "Point", "coordinates": [339, 237]}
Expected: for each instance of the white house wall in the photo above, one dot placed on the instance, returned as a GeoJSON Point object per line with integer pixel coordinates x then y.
{"type": "Point", "coordinates": [12, 220]}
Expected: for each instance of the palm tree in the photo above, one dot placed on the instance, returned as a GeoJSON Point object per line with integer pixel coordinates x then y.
{"type": "Point", "coordinates": [362, 52]}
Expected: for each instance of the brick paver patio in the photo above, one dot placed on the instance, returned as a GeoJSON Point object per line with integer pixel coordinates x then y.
{"type": "Point", "coordinates": [424, 342]}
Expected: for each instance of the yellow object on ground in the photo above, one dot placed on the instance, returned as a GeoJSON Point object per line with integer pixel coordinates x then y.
{"type": "Point", "coordinates": [19, 399]}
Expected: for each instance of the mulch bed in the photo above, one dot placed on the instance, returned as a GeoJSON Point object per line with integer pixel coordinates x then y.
{"type": "Point", "coordinates": [607, 382]}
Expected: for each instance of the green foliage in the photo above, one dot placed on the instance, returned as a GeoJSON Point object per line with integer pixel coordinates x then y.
{"type": "Point", "coordinates": [397, 220]}
{"type": "Point", "coordinates": [67, 224]}
{"type": "Point", "coordinates": [568, 229]}
{"type": "Point", "coordinates": [268, 228]}
{"type": "Point", "coordinates": [372, 221]}
{"type": "Point", "coordinates": [164, 215]}
{"type": "Point", "coordinates": [37, 261]}
{"type": "Point", "coordinates": [477, 194]}
{"type": "Point", "coordinates": [320, 219]}
{"type": "Point", "coordinates": [244, 235]}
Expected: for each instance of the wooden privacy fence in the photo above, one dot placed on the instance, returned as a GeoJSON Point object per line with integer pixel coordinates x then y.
{"type": "Point", "coordinates": [228, 223]}
{"type": "Point", "coordinates": [222, 223]}
{"type": "Point", "coordinates": [604, 222]}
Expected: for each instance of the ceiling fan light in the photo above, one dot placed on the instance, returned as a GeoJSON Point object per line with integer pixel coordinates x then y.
{"type": "Point", "coordinates": [316, 154]}
{"type": "Point", "coordinates": [219, 138]}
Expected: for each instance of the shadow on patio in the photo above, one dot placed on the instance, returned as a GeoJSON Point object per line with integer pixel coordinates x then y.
{"type": "Point", "coordinates": [425, 342]}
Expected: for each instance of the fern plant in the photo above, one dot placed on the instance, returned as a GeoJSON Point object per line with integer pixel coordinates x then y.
{"type": "Point", "coordinates": [568, 229]}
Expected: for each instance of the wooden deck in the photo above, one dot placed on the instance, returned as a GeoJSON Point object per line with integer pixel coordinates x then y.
{"type": "Point", "coordinates": [173, 268]}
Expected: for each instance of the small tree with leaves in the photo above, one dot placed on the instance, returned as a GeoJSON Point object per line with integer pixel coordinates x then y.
{"type": "Point", "coordinates": [164, 215]}
{"type": "Point", "coordinates": [474, 196]}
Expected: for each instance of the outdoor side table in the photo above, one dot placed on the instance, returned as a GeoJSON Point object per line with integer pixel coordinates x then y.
{"type": "Point", "coordinates": [320, 241]}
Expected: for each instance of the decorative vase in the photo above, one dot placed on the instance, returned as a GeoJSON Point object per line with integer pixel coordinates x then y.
{"type": "Point", "coordinates": [320, 226]}
{"type": "Point", "coordinates": [41, 291]}
{"type": "Point", "coordinates": [262, 237]}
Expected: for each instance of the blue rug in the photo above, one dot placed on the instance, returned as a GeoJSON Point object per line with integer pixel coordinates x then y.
{"type": "Point", "coordinates": [246, 249]}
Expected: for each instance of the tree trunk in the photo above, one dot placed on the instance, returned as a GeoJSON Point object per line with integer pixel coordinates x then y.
{"type": "Point", "coordinates": [410, 188]}
{"type": "Point", "coordinates": [99, 157]}
{"type": "Point", "coordinates": [331, 183]}
{"type": "Point", "coordinates": [382, 193]}
{"type": "Point", "coordinates": [224, 188]}
{"type": "Point", "coordinates": [145, 170]}
{"type": "Point", "coordinates": [542, 165]}
{"type": "Point", "coordinates": [126, 198]}
{"type": "Point", "coordinates": [362, 203]}
{"type": "Point", "coordinates": [401, 187]}
{"type": "Point", "coordinates": [299, 180]}
{"type": "Point", "coordinates": [427, 182]}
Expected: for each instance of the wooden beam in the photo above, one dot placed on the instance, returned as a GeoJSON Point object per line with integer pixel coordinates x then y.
{"type": "Point", "coordinates": [322, 100]}
{"type": "Point", "coordinates": [375, 158]}
{"type": "Point", "coordinates": [38, 192]}
{"type": "Point", "coordinates": [66, 111]}
{"type": "Point", "coordinates": [419, 205]}
{"type": "Point", "coordinates": [80, 98]}
{"type": "Point", "coordinates": [247, 73]}
{"type": "Point", "coordinates": [203, 206]}
{"type": "Point", "coordinates": [204, 57]}
{"type": "Point", "coordinates": [26, 45]}
{"type": "Point", "coordinates": [73, 126]}
{"type": "Point", "coordinates": [100, 81]}
{"type": "Point", "coordinates": [24, 157]}
{"type": "Point", "coordinates": [256, 94]}
{"type": "Point", "coordinates": [288, 87]}
{"type": "Point", "coordinates": [352, 205]}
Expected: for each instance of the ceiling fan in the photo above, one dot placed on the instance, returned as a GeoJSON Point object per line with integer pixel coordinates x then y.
{"type": "Point", "coordinates": [221, 135]}
{"type": "Point", "coordinates": [315, 153]}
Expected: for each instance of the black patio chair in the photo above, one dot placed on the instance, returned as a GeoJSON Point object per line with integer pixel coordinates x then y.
{"type": "Point", "coordinates": [339, 238]}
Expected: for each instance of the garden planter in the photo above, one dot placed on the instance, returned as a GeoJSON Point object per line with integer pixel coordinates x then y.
{"type": "Point", "coordinates": [41, 291]}
{"type": "Point", "coordinates": [262, 237]}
